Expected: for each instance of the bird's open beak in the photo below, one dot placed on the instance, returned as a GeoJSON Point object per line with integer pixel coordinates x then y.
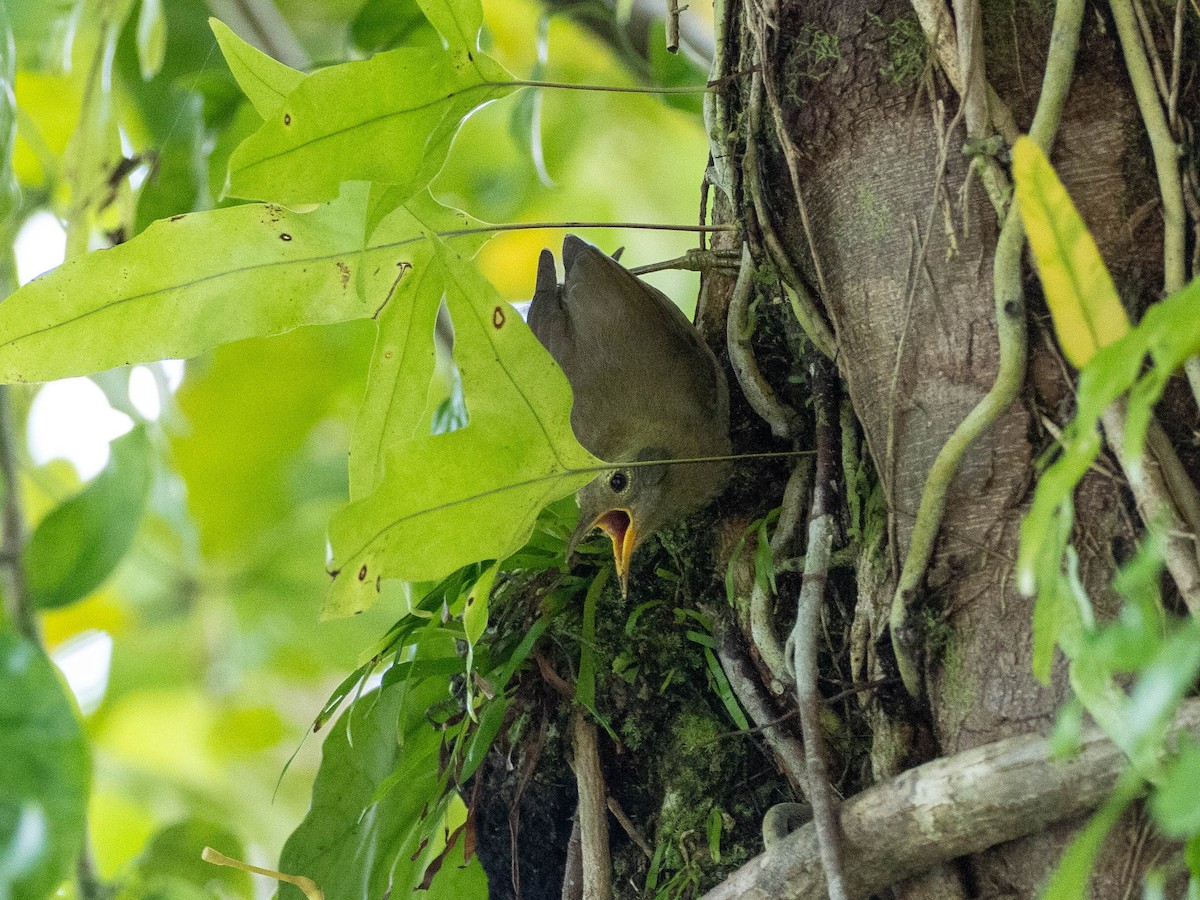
{"type": "Point", "coordinates": [618, 525]}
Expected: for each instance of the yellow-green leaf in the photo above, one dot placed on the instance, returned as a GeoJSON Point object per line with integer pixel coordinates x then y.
{"type": "Point", "coordinates": [1083, 300]}
{"type": "Point", "coordinates": [451, 499]}
{"type": "Point", "coordinates": [264, 80]}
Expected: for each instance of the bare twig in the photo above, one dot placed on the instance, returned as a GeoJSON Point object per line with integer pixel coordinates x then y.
{"type": "Point", "coordinates": [618, 811]}
{"type": "Point", "coordinates": [1163, 145]}
{"type": "Point", "coordinates": [1166, 161]}
{"type": "Point", "coordinates": [951, 807]}
{"type": "Point", "coordinates": [808, 623]}
{"type": "Point", "coordinates": [940, 32]}
{"type": "Point", "coordinates": [593, 809]}
{"type": "Point", "coordinates": [803, 305]}
{"type": "Point", "coordinates": [672, 24]}
{"type": "Point", "coordinates": [746, 687]}
{"type": "Point", "coordinates": [969, 21]}
{"type": "Point", "coordinates": [790, 156]}
{"type": "Point", "coordinates": [762, 618]}
{"type": "Point", "coordinates": [1154, 500]}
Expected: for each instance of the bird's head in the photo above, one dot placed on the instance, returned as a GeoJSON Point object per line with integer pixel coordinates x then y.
{"type": "Point", "coordinates": [633, 502]}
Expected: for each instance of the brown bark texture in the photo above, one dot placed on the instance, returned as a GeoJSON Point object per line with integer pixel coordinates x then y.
{"type": "Point", "coordinates": [898, 252]}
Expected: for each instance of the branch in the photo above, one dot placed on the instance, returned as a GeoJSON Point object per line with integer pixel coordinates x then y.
{"type": "Point", "coordinates": [808, 624]}
{"type": "Point", "coordinates": [593, 810]}
{"type": "Point", "coordinates": [951, 807]}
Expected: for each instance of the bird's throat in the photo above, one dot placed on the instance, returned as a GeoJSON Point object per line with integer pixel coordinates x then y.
{"type": "Point", "coordinates": [618, 525]}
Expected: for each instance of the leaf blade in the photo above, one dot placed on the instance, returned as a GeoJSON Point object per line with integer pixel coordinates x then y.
{"type": "Point", "coordinates": [264, 80]}
{"type": "Point", "coordinates": [78, 545]}
{"type": "Point", "coordinates": [1083, 300]}
{"type": "Point", "coordinates": [450, 499]}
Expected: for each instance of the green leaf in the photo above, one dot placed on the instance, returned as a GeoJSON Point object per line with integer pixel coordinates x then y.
{"type": "Point", "coordinates": [404, 358]}
{"type": "Point", "coordinates": [585, 684]}
{"type": "Point", "coordinates": [265, 81]}
{"type": "Point", "coordinates": [358, 840]}
{"type": "Point", "coordinates": [475, 613]}
{"type": "Point", "coordinates": [172, 857]}
{"type": "Point", "coordinates": [1157, 693]}
{"type": "Point", "coordinates": [151, 37]}
{"type": "Point", "coordinates": [40, 29]}
{"type": "Point", "coordinates": [714, 825]}
{"type": "Point", "coordinates": [1168, 334]}
{"type": "Point", "coordinates": [725, 691]}
{"type": "Point", "coordinates": [1191, 853]}
{"type": "Point", "coordinates": [450, 499]}
{"type": "Point", "coordinates": [45, 777]}
{"type": "Point", "coordinates": [387, 24]}
{"type": "Point", "coordinates": [77, 546]}
{"type": "Point", "coordinates": [1175, 801]}
{"type": "Point", "coordinates": [1070, 881]}
{"type": "Point", "coordinates": [388, 119]}
{"type": "Point", "coordinates": [195, 281]}
{"type": "Point", "coordinates": [1083, 300]}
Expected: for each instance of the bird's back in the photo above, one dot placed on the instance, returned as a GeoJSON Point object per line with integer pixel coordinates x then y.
{"type": "Point", "coordinates": [641, 375]}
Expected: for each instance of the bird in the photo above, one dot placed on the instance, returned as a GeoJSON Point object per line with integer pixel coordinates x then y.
{"type": "Point", "coordinates": [647, 391]}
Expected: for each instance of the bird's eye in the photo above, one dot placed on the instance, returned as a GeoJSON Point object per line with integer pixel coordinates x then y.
{"type": "Point", "coordinates": [618, 481]}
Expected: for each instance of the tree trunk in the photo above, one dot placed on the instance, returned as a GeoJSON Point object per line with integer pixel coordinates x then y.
{"type": "Point", "coordinates": [898, 251]}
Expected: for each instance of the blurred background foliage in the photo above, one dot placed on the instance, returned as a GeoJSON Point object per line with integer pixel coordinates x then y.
{"type": "Point", "coordinates": [199, 663]}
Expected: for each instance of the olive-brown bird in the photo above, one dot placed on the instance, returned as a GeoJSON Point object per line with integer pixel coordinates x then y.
{"type": "Point", "coordinates": [646, 388]}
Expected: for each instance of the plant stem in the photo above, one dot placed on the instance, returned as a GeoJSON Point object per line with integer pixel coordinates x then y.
{"type": "Point", "coordinates": [1163, 145]}
{"type": "Point", "coordinates": [16, 591]}
{"type": "Point", "coordinates": [808, 625]}
{"type": "Point", "coordinates": [1010, 320]}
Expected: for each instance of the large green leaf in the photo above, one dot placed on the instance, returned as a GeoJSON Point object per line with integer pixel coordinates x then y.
{"type": "Point", "coordinates": [404, 358]}
{"type": "Point", "coordinates": [45, 776]}
{"type": "Point", "coordinates": [265, 81]}
{"type": "Point", "coordinates": [80, 542]}
{"type": "Point", "coordinates": [388, 119]}
{"type": "Point", "coordinates": [376, 798]}
{"type": "Point", "coordinates": [450, 499]}
{"type": "Point", "coordinates": [195, 281]}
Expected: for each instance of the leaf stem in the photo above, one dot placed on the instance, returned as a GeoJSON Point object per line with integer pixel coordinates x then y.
{"type": "Point", "coordinates": [535, 226]}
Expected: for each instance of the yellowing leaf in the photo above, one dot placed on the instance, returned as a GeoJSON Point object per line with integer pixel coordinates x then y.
{"type": "Point", "coordinates": [1083, 300]}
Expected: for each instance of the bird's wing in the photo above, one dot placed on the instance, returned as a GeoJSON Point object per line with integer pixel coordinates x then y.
{"type": "Point", "coordinates": [669, 380]}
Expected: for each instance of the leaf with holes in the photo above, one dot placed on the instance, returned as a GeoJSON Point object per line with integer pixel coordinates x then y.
{"type": "Point", "coordinates": [264, 80]}
{"type": "Point", "coordinates": [194, 281]}
{"type": "Point", "coordinates": [404, 359]}
{"type": "Point", "coordinates": [450, 499]}
{"type": "Point", "coordinates": [389, 119]}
